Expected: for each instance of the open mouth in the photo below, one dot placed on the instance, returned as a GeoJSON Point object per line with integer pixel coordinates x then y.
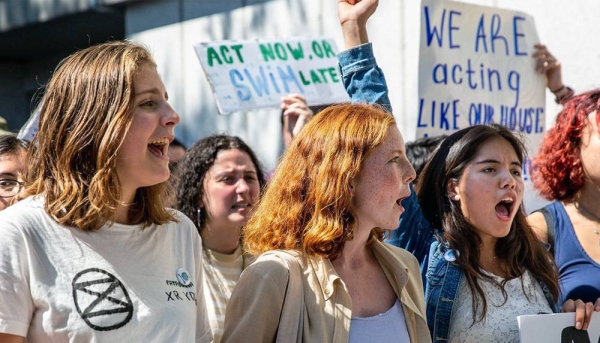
{"type": "Point", "coordinates": [505, 207]}
{"type": "Point", "coordinates": [159, 147]}
{"type": "Point", "coordinates": [241, 206]}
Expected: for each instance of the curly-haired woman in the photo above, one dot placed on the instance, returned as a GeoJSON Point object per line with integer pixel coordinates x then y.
{"type": "Point", "coordinates": [219, 181]}
{"type": "Point", "coordinates": [567, 171]}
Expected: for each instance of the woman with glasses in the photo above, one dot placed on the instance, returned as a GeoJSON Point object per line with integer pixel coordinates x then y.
{"type": "Point", "coordinates": [13, 154]}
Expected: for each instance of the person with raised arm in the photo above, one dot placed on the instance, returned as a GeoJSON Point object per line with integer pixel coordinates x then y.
{"type": "Point", "coordinates": [482, 261]}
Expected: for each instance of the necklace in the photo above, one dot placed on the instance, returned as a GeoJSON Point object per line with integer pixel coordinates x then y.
{"type": "Point", "coordinates": [218, 274]}
{"type": "Point", "coordinates": [587, 213]}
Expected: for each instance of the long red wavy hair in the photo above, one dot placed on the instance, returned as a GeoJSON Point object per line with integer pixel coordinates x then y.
{"type": "Point", "coordinates": [307, 204]}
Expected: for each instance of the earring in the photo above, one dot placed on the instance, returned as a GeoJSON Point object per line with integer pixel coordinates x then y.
{"type": "Point", "coordinates": [456, 197]}
{"type": "Point", "coordinates": [198, 218]}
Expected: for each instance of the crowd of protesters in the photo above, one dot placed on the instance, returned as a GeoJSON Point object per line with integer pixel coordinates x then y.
{"type": "Point", "coordinates": [112, 230]}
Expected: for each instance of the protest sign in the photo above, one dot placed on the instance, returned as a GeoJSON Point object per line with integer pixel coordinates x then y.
{"type": "Point", "coordinates": [247, 75]}
{"type": "Point", "coordinates": [557, 328]}
{"type": "Point", "coordinates": [30, 128]}
{"type": "Point", "coordinates": [475, 67]}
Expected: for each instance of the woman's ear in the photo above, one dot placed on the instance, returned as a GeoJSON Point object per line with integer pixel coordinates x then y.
{"type": "Point", "coordinates": [452, 190]}
{"type": "Point", "coordinates": [351, 188]}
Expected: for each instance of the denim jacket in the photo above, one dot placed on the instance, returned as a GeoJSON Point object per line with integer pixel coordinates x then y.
{"type": "Point", "coordinates": [365, 82]}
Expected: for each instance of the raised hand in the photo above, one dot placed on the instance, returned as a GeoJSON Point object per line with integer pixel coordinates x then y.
{"type": "Point", "coordinates": [353, 16]}
{"type": "Point", "coordinates": [296, 110]}
{"type": "Point", "coordinates": [548, 65]}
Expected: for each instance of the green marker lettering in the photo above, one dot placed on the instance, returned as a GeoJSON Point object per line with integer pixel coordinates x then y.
{"type": "Point", "coordinates": [333, 75]}
{"type": "Point", "coordinates": [316, 47]}
{"type": "Point", "coordinates": [323, 71]}
{"type": "Point", "coordinates": [280, 52]}
{"type": "Point", "coordinates": [267, 52]}
{"type": "Point", "coordinates": [315, 77]}
{"type": "Point", "coordinates": [225, 54]}
{"type": "Point", "coordinates": [237, 49]}
{"type": "Point", "coordinates": [303, 79]}
{"type": "Point", "coordinates": [298, 53]}
{"type": "Point", "coordinates": [212, 55]}
{"type": "Point", "coordinates": [328, 50]}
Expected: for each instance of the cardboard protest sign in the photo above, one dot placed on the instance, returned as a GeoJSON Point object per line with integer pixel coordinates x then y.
{"type": "Point", "coordinates": [476, 68]}
{"type": "Point", "coordinates": [247, 75]}
{"type": "Point", "coordinates": [557, 328]}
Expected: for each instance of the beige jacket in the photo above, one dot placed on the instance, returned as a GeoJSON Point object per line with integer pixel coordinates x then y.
{"type": "Point", "coordinates": [255, 308]}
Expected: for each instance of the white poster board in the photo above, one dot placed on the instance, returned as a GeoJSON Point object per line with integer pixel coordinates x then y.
{"type": "Point", "coordinates": [253, 74]}
{"type": "Point", "coordinates": [475, 67]}
{"type": "Point", "coordinates": [557, 328]}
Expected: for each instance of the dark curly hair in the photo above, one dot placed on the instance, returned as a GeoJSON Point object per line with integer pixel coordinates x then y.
{"type": "Point", "coordinates": [557, 171]}
{"type": "Point", "coordinates": [192, 169]}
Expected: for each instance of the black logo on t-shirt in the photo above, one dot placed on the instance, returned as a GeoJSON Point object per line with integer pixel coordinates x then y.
{"type": "Point", "coordinates": [101, 299]}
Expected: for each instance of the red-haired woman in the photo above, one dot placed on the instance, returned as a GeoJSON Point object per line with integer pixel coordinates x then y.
{"type": "Point", "coordinates": [567, 171]}
{"type": "Point", "coordinates": [324, 275]}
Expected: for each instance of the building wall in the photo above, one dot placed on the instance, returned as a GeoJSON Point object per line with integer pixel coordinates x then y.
{"type": "Point", "coordinates": [171, 27]}
{"type": "Point", "coordinates": [11, 91]}
{"type": "Point", "coordinates": [394, 30]}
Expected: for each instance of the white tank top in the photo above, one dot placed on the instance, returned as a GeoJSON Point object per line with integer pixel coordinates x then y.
{"type": "Point", "coordinates": [388, 326]}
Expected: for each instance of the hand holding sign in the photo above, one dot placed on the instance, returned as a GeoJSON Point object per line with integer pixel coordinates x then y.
{"type": "Point", "coordinates": [297, 113]}
{"type": "Point", "coordinates": [247, 75]}
{"type": "Point", "coordinates": [546, 64]}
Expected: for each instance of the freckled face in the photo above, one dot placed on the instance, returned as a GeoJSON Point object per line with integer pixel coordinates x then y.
{"type": "Point", "coordinates": [490, 190]}
{"type": "Point", "coordinates": [382, 183]}
{"type": "Point", "coordinates": [143, 159]}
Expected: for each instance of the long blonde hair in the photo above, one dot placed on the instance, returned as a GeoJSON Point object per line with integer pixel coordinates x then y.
{"type": "Point", "coordinates": [87, 110]}
{"type": "Point", "coordinates": [307, 204]}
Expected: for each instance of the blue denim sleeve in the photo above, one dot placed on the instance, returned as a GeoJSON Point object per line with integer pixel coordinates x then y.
{"type": "Point", "coordinates": [363, 79]}
{"type": "Point", "coordinates": [365, 82]}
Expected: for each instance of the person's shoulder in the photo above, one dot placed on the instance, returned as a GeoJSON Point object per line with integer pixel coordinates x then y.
{"type": "Point", "coordinates": [180, 217]}
{"type": "Point", "coordinates": [538, 224]}
{"type": "Point", "coordinates": [397, 251]}
{"type": "Point", "coordinates": [24, 211]}
{"type": "Point", "coordinates": [181, 221]}
{"type": "Point", "coordinates": [402, 255]}
{"type": "Point", "coordinates": [181, 227]}
{"type": "Point", "coordinates": [22, 222]}
{"type": "Point", "coordinates": [273, 264]}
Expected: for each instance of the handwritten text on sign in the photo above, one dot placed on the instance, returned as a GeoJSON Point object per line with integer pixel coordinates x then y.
{"type": "Point", "coordinates": [247, 75]}
{"type": "Point", "coordinates": [476, 68]}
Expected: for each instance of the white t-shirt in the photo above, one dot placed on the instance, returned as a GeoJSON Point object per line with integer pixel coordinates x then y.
{"type": "Point", "coordinates": [121, 283]}
{"type": "Point", "coordinates": [500, 323]}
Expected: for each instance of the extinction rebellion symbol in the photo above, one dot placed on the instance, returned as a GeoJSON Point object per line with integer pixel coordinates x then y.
{"type": "Point", "coordinates": [101, 299]}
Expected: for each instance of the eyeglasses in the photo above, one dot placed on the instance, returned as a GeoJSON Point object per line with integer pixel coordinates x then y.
{"type": "Point", "coordinates": [9, 188]}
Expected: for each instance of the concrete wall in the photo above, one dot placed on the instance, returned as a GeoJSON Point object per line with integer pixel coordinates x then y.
{"type": "Point", "coordinates": [172, 27]}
